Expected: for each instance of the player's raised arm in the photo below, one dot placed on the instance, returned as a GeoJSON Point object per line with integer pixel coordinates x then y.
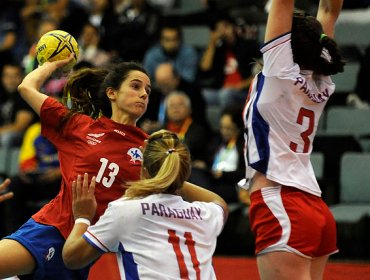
{"type": "Point", "coordinates": [327, 15]}
{"type": "Point", "coordinates": [279, 19]}
{"type": "Point", "coordinates": [31, 84]}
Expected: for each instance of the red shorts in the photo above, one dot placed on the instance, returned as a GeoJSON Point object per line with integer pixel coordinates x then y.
{"type": "Point", "coordinates": [288, 219]}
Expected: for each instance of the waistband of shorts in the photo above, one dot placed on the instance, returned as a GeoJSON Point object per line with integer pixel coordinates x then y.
{"type": "Point", "coordinates": [284, 189]}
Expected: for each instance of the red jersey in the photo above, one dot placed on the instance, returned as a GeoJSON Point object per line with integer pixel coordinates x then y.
{"type": "Point", "coordinates": [102, 148]}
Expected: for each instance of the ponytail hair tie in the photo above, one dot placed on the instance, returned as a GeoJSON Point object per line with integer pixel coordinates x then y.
{"type": "Point", "coordinates": [69, 100]}
{"type": "Point", "coordinates": [322, 36]}
{"type": "Point", "coordinates": [170, 151]}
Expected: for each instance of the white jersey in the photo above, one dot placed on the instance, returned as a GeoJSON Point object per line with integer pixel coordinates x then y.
{"type": "Point", "coordinates": [159, 237]}
{"type": "Point", "coordinates": [281, 118]}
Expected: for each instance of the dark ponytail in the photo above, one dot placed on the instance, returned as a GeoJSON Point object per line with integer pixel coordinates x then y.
{"type": "Point", "coordinates": [334, 64]}
{"type": "Point", "coordinates": [313, 50]}
{"type": "Point", "coordinates": [82, 94]}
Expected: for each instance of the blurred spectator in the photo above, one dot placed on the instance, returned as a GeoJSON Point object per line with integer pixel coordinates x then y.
{"type": "Point", "coordinates": [361, 97]}
{"type": "Point", "coordinates": [226, 68]}
{"type": "Point", "coordinates": [228, 166]}
{"type": "Point", "coordinates": [73, 16]}
{"type": "Point", "coordinates": [135, 30]}
{"type": "Point", "coordinates": [103, 16]}
{"type": "Point", "coordinates": [38, 9]}
{"type": "Point", "coordinates": [32, 12]}
{"type": "Point", "coordinates": [168, 80]}
{"type": "Point", "coordinates": [99, 10]}
{"type": "Point", "coordinates": [356, 4]}
{"type": "Point", "coordinates": [15, 114]}
{"type": "Point", "coordinates": [163, 5]}
{"type": "Point", "coordinates": [363, 81]}
{"type": "Point", "coordinates": [45, 25]}
{"type": "Point", "coordinates": [222, 5]}
{"type": "Point", "coordinates": [89, 47]}
{"type": "Point", "coordinates": [171, 48]}
{"type": "Point", "coordinates": [13, 43]}
{"type": "Point", "coordinates": [69, 14]}
{"type": "Point", "coordinates": [38, 179]}
{"type": "Point", "coordinates": [207, 11]}
{"type": "Point", "coordinates": [120, 5]}
{"type": "Point", "coordinates": [193, 134]}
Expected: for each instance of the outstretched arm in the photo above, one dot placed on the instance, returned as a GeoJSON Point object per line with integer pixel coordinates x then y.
{"type": "Point", "coordinates": [31, 84]}
{"type": "Point", "coordinates": [327, 15]}
{"type": "Point", "coordinates": [77, 252]}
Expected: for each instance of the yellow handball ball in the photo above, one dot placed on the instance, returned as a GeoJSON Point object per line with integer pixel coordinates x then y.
{"type": "Point", "coordinates": [57, 45]}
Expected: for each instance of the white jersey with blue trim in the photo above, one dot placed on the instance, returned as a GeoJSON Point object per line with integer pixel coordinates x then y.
{"type": "Point", "coordinates": [281, 118]}
{"type": "Point", "coordinates": [160, 236]}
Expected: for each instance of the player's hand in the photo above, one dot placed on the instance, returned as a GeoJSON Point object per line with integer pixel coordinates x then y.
{"type": "Point", "coordinates": [83, 198]}
{"type": "Point", "coordinates": [64, 62]}
{"type": "Point", "coordinates": [6, 195]}
{"type": "Point", "coordinates": [58, 64]}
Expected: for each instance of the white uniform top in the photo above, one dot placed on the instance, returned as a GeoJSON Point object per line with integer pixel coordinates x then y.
{"type": "Point", "coordinates": [281, 118]}
{"type": "Point", "coordinates": [160, 236]}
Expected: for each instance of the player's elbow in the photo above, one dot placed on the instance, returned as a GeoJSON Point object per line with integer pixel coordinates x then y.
{"type": "Point", "coordinates": [22, 87]}
{"type": "Point", "coordinates": [76, 256]}
{"type": "Point", "coordinates": [71, 259]}
{"type": "Point", "coordinates": [25, 89]}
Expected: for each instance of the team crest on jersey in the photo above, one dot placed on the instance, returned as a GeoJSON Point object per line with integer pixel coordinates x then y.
{"type": "Point", "coordinates": [136, 156]}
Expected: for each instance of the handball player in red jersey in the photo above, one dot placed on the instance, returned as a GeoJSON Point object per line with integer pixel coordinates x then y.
{"type": "Point", "coordinates": [95, 133]}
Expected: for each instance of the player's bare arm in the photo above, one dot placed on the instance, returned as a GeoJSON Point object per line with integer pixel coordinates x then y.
{"type": "Point", "coordinates": [31, 84]}
{"type": "Point", "coordinates": [279, 20]}
{"type": "Point", "coordinates": [328, 13]}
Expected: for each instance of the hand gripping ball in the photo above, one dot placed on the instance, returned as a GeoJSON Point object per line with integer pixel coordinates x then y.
{"type": "Point", "coordinates": [57, 45]}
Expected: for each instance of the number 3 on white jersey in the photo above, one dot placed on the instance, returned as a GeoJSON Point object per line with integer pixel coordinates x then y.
{"type": "Point", "coordinates": [310, 116]}
{"type": "Point", "coordinates": [113, 171]}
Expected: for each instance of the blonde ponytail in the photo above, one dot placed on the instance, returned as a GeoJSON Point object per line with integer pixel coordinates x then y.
{"type": "Point", "coordinates": [166, 165]}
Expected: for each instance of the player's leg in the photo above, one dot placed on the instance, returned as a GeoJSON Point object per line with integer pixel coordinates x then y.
{"type": "Point", "coordinates": [318, 267]}
{"type": "Point", "coordinates": [15, 259]}
{"type": "Point", "coordinates": [283, 266]}
{"type": "Point", "coordinates": [328, 244]}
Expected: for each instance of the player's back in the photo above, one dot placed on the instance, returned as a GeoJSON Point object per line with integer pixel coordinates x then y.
{"type": "Point", "coordinates": [163, 237]}
{"type": "Point", "coordinates": [282, 116]}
